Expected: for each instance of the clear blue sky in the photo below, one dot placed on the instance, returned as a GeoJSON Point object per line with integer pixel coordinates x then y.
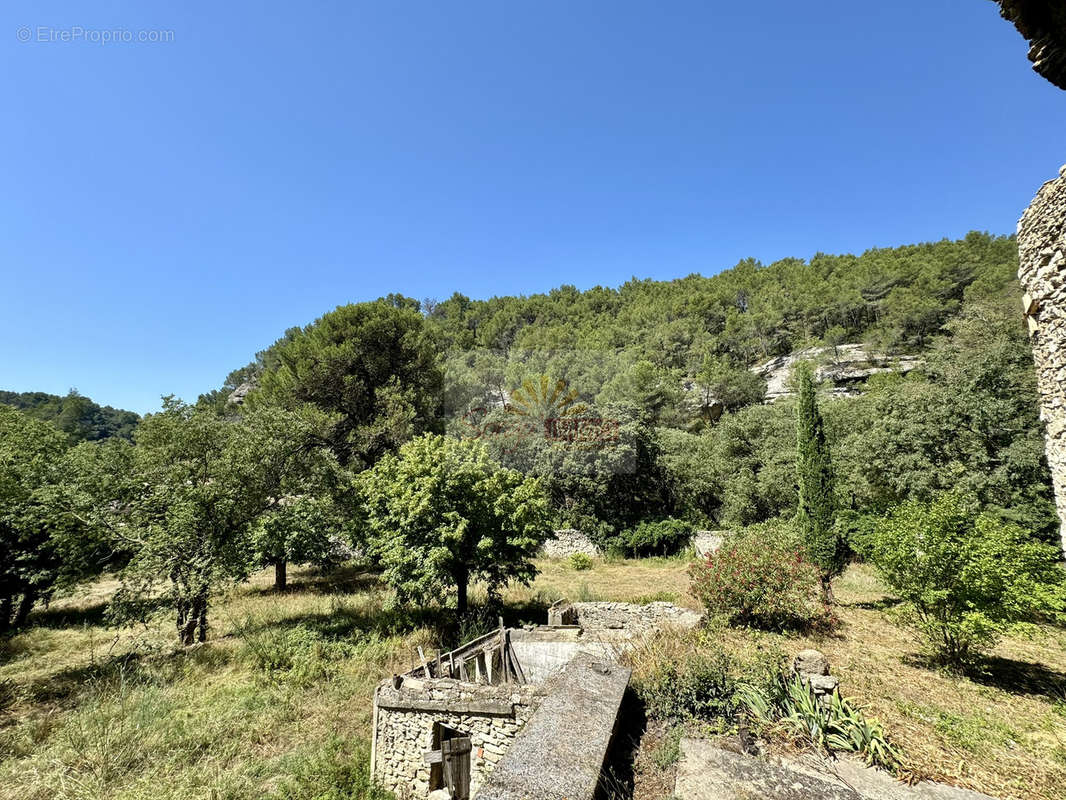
{"type": "Point", "coordinates": [170, 208]}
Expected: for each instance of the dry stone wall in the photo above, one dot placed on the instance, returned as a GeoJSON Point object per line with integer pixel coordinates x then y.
{"type": "Point", "coordinates": [490, 715]}
{"type": "Point", "coordinates": [1042, 272]}
{"type": "Point", "coordinates": [596, 619]}
{"type": "Point", "coordinates": [567, 542]}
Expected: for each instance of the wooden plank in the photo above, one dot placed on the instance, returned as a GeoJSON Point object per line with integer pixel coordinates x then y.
{"type": "Point", "coordinates": [425, 667]}
{"type": "Point", "coordinates": [503, 651]}
{"type": "Point", "coordinates": [519, 675]}
{"type": "Point", "coordinates": [433, 757]}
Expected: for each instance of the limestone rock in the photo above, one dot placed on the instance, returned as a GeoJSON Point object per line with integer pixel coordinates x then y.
{"type": "Point", "coordinates": [810, 662]}
{"type": "Point", "coordinates": [846, 367]}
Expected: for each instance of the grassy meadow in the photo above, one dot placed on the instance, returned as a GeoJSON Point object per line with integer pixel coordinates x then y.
{"type": "Point", "coordinates": [277, 703]}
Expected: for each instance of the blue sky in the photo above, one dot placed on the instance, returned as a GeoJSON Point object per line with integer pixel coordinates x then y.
{"type": "Point", "coordinates": [172, 207]}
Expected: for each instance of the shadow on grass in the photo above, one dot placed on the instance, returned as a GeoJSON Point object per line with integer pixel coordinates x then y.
{"type": "Point", "coordinates": [1006, 674]}
{"type": "Point", "coordinates": [342, 622]}
{"type": "Point", "coordinates": [348, 579]}
{"type": "Point", "coordinates": [70, 617]}
{"type": "Point", "coordinates": [129, 669]}
{"type": "Point", "coordinates": [884, 604]}
{"type": "Point", "coordinates": [1019, 677]}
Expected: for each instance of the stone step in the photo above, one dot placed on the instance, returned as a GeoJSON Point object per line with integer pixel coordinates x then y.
{"type": "Point", "coordinates": [709, 772]}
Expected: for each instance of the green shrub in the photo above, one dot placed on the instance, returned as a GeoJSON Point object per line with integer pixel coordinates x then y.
{"type": "Point", "coordinates": [965, 577]}
{"type": "Point", "coordinates": [298, 656]}
{"type": "Point", "coordinates": [857, 531]}
{"type": "Point", "coordinates": [665, 537]}
{"type": "Point", "coordinates": [700, 686]}
{"type": "Point", "coordinates": [757, 580]}
{"type": "Point", "coordinates": [580, 562]}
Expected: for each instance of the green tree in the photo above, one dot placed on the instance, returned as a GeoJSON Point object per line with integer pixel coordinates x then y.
{"type": "Point", "coordinates": [443, 514]}
{"type": "Point", "coordinates": [967, 418]}
{"type": "Point", "coordinates": [187, 502]}
{"type": "Point", "coordinates": [725, 386]}
{"type": "Point", "coordinates": [816, 511]}
{"type": "Point", "coordinates": [601, 484]}
{"type": "Point", "coordinates": [300, 529]}
{"type": "Point", "coordinates": [374, 365]}
{"type": "Point", "coordinates": [966, 576]}
{"type": "Point", "coordinates": [74, 414]}
{"type": "Point", "coordinates": [43, 546]}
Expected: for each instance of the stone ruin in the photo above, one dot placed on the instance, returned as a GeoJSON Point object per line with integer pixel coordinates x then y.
{"type": "Point", "coordinates": [567, 542]}
{"type": "Point", "coordinates": [499, 717]}
{"type": "Point", "coordinates": [1042, 272]}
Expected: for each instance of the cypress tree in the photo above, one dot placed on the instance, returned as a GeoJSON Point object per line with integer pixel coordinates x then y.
{"type": "Point", "coordinates": [816, 513]}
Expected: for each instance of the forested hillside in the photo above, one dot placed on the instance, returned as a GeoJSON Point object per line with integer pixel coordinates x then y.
{"type": "Point", "coordinates": [663, 360]}
{"type": "Point", "coordinates": [76, 415]}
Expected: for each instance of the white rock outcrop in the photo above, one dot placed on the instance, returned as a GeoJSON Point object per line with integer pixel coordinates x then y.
{"type": "Point", "coordinates": [845, 366]}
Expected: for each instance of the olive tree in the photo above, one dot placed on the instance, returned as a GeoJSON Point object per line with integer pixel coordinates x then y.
{"type": "Point", "coordinates": [186, 503]}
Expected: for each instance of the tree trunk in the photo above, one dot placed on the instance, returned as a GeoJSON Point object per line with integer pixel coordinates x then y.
{"type": "Point", "coordinates": [461, 581]}
{"type": "Point", "coordinates": [182, 619]}
{"type": "Point", "coordinates": [201, 619]}
{"type": "Point", "coordinates": [25, 606]}
{"type": "Point", "coordinates": [281, 574]}
{"type": "Point", "coordinates": [827, 591]}
{"type": "Point", "coordinates": [187, 628]}
{"type": "Point", "coordinates": [7, 605]}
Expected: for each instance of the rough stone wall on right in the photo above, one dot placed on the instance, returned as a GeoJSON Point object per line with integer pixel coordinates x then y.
{"type": "Point", "coordinates": [1042, 272]}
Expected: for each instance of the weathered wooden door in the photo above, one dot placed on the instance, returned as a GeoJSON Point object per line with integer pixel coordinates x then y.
{"type": "Point", "coordinates": [450, 762]}
{"type": "Point", "coordinates": [455, 753]}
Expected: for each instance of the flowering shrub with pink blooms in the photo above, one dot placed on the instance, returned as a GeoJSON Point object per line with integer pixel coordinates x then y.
{"type": "Point", "coordinates": [758, 580]}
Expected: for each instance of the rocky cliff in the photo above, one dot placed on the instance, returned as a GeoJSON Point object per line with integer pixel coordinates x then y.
{"type": "Point", "coordinates": [845, 368]}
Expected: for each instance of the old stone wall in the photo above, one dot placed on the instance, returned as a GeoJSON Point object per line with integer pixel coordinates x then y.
{"type": "Point", "coordinates": [631, 619]}
{"type": "Point", "coordinates": [567, 542]}
{"type": "Point", "coordinates": [490, 715]}
{"type": "Point", "coordinates": [1043, 23]}
{"type": "Point", "coordinates": [1042, 272]}
{"type": "Point", "coordinates": [707, 542]}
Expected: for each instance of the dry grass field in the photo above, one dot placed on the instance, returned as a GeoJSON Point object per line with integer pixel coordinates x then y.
{"type": "Point", "coordinates": [277, 704]}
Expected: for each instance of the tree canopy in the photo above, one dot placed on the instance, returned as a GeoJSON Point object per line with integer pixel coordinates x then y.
{"type": "Point", "coordinates": [74, 414]}
{"type": "Point", "coordinates": [443, 515]}
{"type": "Point", "coordinates": [373, 365]}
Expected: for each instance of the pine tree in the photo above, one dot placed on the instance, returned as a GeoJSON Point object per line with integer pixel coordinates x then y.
{"type": "Point", "coordinates": [816, 513]}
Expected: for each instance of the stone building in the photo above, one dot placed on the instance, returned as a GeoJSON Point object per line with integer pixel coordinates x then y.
{"type": "Point", "coordinates": [1042, 272]}
{"type": "Point", "coordinates": [471, 722]}
{"type": "Point", "coordinates": [1042, 246]}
